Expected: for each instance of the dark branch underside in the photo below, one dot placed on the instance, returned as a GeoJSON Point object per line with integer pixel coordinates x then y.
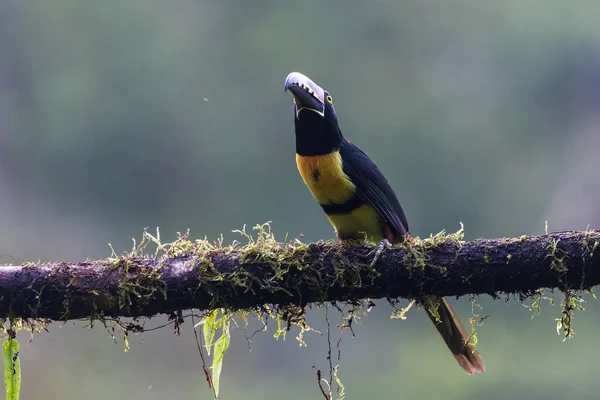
{"type": "Point", "coordinates": [240, 279]}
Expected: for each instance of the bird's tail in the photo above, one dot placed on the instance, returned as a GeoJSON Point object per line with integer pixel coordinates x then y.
{"type": "Point", "coordinates": [456, 338]}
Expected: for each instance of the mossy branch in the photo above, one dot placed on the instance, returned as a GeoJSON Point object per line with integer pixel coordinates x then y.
{"type": "Point", "coordinates": [197, 275]}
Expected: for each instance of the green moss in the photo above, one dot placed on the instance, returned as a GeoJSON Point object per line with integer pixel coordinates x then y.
{"type": "Point", "coordinates": [588, 248]}
{"type": "Point", "coordinates": [573, 298]}
{"type": "Point", "coordinates": [10, 326]}
{"type": "Point", "coordinates": [281, 263]}
{"type": "Point", "coordinates": [417, 249]}
{"type": "Point", "coordinates": [558, 256]}
{"type": "Point", "coordinates": [431, 305]}
{"type": "Point", "coordinates": [572, 301]}
{"type": "Point", "coordinates": [537, 300]}
{"type": "Point", "coordinates": [475, 320]}
{"type": "Point", "coordinates": [137, 282]}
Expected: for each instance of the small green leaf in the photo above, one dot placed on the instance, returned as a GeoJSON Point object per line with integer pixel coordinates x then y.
{"type": "Point", "coordinates": [209, 329]}
{"type": "Point", "coordinates": [12, 369]}
{"type": "Point", "coordinates": [221, 346]}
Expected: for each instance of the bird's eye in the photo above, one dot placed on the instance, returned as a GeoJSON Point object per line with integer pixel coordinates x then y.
{"type": "Point", "coordinates": [329, 99]}
{"type": "Point", "coordinates": [294, 100]}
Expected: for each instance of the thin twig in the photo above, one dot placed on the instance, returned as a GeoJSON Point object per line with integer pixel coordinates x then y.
{"type": "Point", "coordinates": [205, 368]}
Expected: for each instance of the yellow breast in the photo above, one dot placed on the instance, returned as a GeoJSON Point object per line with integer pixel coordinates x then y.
{"type": "Point", "coordinates": [361, 223]}
{"type": "Point", "coordinates": [325, 178]}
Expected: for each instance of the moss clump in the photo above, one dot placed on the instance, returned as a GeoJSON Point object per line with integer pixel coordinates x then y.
{"type": "Point", "coordinates": [537, 299]}
{"type": "Point", "coordinates": [572, 301]}
{"type": "Point", "coordinates": [475, 320]}
{"type": "Point", "coordinates": [291, 264]}
{"type": "Point", "coordinates": [558, 256]}
{"type": "Point", "coordinates": [417, 249]}
{"type": "Point", "coordinates": [417, 252]}
{"type": "Point", "coordinates": [431, 305]}
{"type": "Point", "coordinates": [138, 281]}
{"type": "Point", "coordinates": [573, 298]}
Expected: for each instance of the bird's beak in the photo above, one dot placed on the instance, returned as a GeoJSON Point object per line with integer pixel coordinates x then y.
{"type": "Point", "coordinates": [308, 95]}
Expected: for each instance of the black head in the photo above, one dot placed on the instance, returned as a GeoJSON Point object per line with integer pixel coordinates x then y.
{"type": "Point", "coordinates": [317, 130]}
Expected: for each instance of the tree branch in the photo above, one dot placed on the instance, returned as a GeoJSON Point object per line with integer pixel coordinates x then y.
{"type": "Point", "coordinates": [193, 275]}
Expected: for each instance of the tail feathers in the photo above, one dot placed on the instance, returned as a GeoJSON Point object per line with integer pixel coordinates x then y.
{"type": "Point", "coordinates": [456, 338]}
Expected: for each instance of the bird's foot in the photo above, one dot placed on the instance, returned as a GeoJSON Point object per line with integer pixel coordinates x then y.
{"type": "Point", "coordinates": [377, 251]}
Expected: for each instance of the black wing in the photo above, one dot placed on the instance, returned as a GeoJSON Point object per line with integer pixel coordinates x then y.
{"type": "Point", "coordinates": [372, 187]}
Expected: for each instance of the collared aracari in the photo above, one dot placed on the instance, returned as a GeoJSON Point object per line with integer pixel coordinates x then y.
{"type": "Point", "coordinates": [356, 197]}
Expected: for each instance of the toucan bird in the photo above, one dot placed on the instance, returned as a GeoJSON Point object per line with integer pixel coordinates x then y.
{"type": "Point", "coordinates": [356, 197]}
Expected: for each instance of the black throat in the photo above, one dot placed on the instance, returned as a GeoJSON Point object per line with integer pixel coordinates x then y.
{"type": "Point", "coordinates": [316, 135]}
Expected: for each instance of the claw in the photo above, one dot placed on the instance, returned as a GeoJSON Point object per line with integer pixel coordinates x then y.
{"type": "Point", "coordinates": [382, 245]}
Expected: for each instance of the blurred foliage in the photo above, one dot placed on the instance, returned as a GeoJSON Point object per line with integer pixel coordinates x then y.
{"type": "Point", "coordinates": [119, 115]}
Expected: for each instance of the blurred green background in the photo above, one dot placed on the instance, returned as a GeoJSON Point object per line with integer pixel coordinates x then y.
{"type": "Point", "coordinates": [119, 115]}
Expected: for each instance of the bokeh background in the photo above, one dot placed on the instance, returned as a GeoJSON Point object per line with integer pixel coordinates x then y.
{"type": "Point", "coordinates": [115, 116]}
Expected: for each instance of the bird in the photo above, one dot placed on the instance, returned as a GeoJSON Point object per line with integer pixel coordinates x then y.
{"type": "Point", "coordinates": [357, 198]}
